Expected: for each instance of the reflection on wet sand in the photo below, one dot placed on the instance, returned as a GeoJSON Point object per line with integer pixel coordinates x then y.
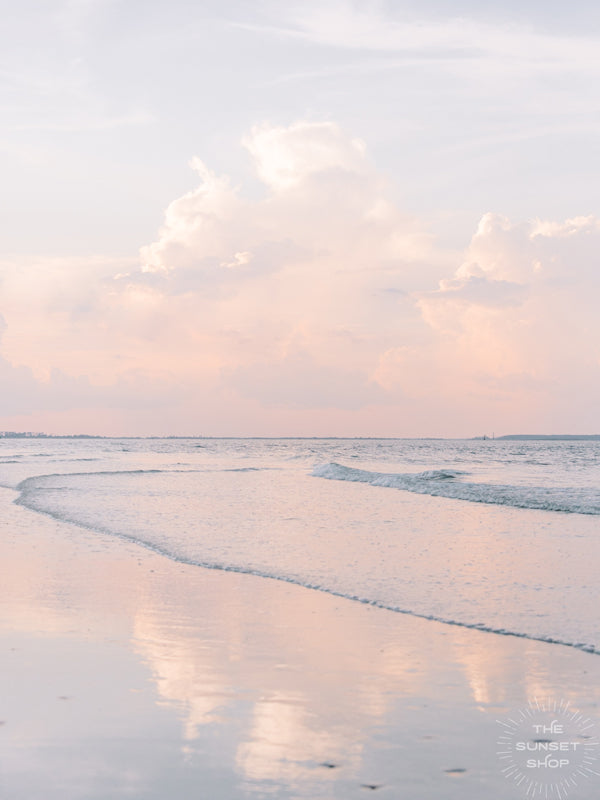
{"type": "Point", "coordinates": [179, 677]}
{"type": "Point", "coordinates": [319, 682]}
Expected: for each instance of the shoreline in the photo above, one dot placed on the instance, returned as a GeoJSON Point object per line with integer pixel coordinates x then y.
{"type": "Point", "coordinates": [128, 674]}
{"type": "Point", "coordinates": [156, 550]}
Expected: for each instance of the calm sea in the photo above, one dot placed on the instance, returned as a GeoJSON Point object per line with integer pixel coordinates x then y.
{"type": "Point", "coordinates": [495, 534]}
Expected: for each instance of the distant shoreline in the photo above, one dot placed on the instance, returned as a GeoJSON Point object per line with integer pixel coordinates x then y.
{"type": "Point", "coordinates": [550, 436]}
{"type": "Point", "coordinates": [595, 437]}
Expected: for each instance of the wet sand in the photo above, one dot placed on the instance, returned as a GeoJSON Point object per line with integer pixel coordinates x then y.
{"type": "Point", "coordinates": [125, 674]}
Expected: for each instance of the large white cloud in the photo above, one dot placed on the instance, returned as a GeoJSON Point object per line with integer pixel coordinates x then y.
{"type": "Point", "coordinates": [516, 328]}
{"type": "Point", "coordinates": [319, 269]}
{"type": "Point", "coordinates": [272, 313]}
{"type": "Point", "coordinates": [285, 157]}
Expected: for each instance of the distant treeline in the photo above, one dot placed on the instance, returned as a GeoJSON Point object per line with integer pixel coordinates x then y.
{"type": "Point", "coordinates": [553, 436]}
{"type": "Point", "coordinates": [29, 435]}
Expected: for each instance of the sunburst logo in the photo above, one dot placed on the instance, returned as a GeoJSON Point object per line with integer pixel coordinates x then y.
{"type": "Point", "coordinates": [547, 749]}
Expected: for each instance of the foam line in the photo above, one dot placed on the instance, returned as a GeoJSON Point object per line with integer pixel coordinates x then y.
{"type": "Point", "coordinates": [448, 483]}
{"type": "Point", "coordinates": [23, 501]}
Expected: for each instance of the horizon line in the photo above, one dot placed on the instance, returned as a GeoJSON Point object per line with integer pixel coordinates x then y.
{"type": "Point", "coordinates": [483, 437]}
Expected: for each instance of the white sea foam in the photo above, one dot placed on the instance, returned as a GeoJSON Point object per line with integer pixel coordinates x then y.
{"type": "Point", "coordinates": [249, 506]}
{"type": "Point", "coordinates": [448, 483]}
{"type": "Point", "coordinates": [29, 500]}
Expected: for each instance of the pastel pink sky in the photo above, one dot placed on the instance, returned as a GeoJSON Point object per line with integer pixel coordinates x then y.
{"type": "Point", "coordinates": [308, 289]}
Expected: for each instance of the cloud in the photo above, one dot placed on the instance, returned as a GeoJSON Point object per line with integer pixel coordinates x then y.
{"type": "Point", "coordinates": [438, 33]}
{"type": "Point", "coordinates": [285, 157]}
{"type": "Point", "coordinates": [517, 322]}
{"type": "Point", "coordinates": [480, 290]}
{"type": "Point", "coordinates": [317, 301]}
{"type": "Point", "coordinates": [285, 299]}
{"type": "Point", "coordinates": [23, 393]}
{"type": "Point", "coordinates": [299, 381]}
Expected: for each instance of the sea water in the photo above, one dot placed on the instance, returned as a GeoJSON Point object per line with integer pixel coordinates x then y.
{"type": "Point", "coordinates": [501, 535]}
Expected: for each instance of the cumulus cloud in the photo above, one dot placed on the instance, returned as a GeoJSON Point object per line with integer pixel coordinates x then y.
{"type": "Point", "coordinates": [518, 320]}
{"type": "Point", "coordinates": [286, 296]}
{"type": "Point", "coordinates": [319, 300]}
{"type": "Point", "coordinates": [285, 157]}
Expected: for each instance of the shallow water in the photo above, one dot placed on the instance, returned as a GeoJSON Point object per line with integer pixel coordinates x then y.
{"type": "Point", "coordinates": [501, 535]}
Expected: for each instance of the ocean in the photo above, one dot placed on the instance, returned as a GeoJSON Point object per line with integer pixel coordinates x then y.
{"type": "Point", "coordinates": [499, 535]}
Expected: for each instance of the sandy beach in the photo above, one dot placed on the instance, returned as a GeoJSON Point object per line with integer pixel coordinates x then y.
{"type": "Point", "coordinates": [125, 674]}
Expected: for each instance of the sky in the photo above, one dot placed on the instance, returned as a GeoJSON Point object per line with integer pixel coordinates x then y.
{"type": "Point", "coordinates": [303, 218]}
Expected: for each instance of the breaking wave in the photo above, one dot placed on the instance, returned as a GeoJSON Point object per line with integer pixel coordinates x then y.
{"type": "Point", "coordinates": [448, 483]}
